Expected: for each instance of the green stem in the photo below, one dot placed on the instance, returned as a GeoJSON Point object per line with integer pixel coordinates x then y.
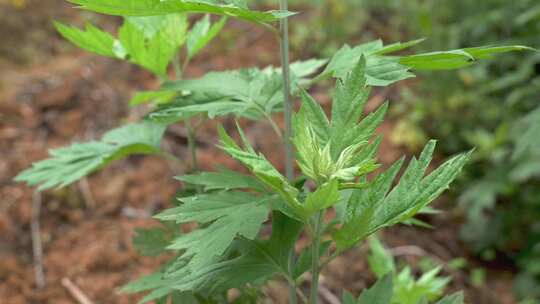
{"type": "Point", "coordinates": [176, 66]}
{"type": "Point", "coordinates": [285, 70]}
{"type": "Point", "coordinates": [287, 136]}
{"type": "Point", "coordinates": [191, 145]}
{"type": "Point", "coordinates": [189, 129]}
{"type": "Point", "coordinates": [315, 250]}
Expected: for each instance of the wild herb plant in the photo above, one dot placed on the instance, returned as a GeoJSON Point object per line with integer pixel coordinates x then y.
{"type": "Point", "coordinates": [407, 289]}
{"type": "Point", "coordinates": [333, 200]}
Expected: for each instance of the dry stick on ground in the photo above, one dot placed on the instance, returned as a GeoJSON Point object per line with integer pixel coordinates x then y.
{"type": "Point", "coordinates": [328, 295]}
{"type": "Point", "coordinates": [76, 292]}
{"type": "Point", "coordinates": [88, 198]}
{"type": "Point", "coordinates": [37, 248]}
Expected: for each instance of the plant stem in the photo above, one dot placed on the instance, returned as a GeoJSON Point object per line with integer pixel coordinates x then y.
{"type": "Point", "coordinates": [190, 130]}
{"type": "Point", "coordinates": [287, 136]}
{"type": "Point", "coordinates": [315, 249]}
{"type": "Point", "coordinates": [191, 146]}
{"type": "Point", "coordinates": [285, 70]}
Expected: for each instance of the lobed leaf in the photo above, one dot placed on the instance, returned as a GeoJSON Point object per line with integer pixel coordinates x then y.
{"type": "Point", "coordinates": [229, 214]}
{"type": "Point", "coordinates": [164, 7]}
{"type": "Point", "coordinates": [373, 209]}
{"type": "Point", "coordinates": [383, 70]}
{"type": "Point", "coordinates": [223, 180]}
{"type": "Point", "coordinates": [201, 34]}
{"type": "Point", "coordinates": [250, 93]}
{"type": "Point", "coordinates": [152, 42]}
{"type": "Point", "coordinates": [93, 39]}
{"type": "Point", "coordinates": [69, 164]}
{"type": "Point", "coordinates": [262, 169]}
{"type": "Point", "coordinates": [379, 293]}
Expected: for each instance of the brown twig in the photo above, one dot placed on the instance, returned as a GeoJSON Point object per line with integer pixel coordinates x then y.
{"type": "Point", "coordinates": [37, 248]}
{"type": "Point", "coordinates": [328, 295]}
{"type": "Point", "coordinates": [408, 250]}
{"type": "Point", "coordinates": [76, 292]}
{"type": "Point", "coordinates": [88, 198]}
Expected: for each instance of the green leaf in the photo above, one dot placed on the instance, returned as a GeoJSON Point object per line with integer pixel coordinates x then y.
{"type": "Point", "coordinates": [340, 148]}
{"type": "Point", "coordinates": [456, 298]}
{"type": "Point", "coordinates": [156, 97]}
{"type": "Point", "coordinates": [398, 46]}
{"type": "Point", "coordinates": [316, 116]}
{"type": "Point", "coordinates": [373, 209]}
{"type": "Point", "coordinates": [454, 59]}
{"type": "Point", "coordinates": [262, 169]}
{"type": "Point", "coordinates": [348, 298]}
{"type": "Point", "coordinates": [324, 197]}
{"type": "Point", "coordinates": [151, 241]}
{"type": "Point", "coordinates": [381, 262]}
{"type": "Point", "coordinates": [230, 214]}
{"type": "Point", "coordinates": [223, 179]}
{"type": "Point", "coordinates": [527, 130]}
{"type": "Point", "coordinates": [380, 70]}
{"type": "Point", "coordinates": [303, 264]}
{"type": "Point", "coordinates": [201, 34]}
{"type": "Point", "coordinates": [157, 281]}
{"type": "Point", "coordinates": [408, 290]}
{"type": "Point", "coordinates": [380, 293]}
{"type": "Point", "coordinates": [93, 39]}
{"type": "Point", "coordinates": [251, 261]}
{"type": "Point", "coordinates": [164, 7]}
{"type": "Point", "coordinates": [152, 42]}
{"type": "Point", "coordinates": [249, 93]}
{"type": "Point", "coordinates": [69, 164]}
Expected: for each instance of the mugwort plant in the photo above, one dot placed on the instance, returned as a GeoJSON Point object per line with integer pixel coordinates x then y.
{"type": "Point", "coordinates": [339, 196]}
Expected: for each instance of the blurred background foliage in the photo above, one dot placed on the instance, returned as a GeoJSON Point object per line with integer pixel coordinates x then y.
{"type": "Point", "coordinates": [493, 106]}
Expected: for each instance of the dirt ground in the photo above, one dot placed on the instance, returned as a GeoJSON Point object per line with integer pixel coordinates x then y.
{"type": "Point", "coordinates": [51, 94]}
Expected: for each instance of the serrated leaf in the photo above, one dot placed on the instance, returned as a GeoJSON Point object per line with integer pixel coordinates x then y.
{"type": "Point", "coordinates": [456, 298]}
{"type": "Point", "coordinates": [201, 34]}
{"type": "Point", "coordinates": [249, 93]}
{"type": "Point", "coordinates": [262, 169]}
{"type": "Point", "coordinates": [338, 148]}
{"type": "Point", "coordinates": [324, 197]}
{"type": "Point", "coordinates": [164, 7]}
{"type": "Point", "coordinates": [316, 116]}
{"type": "Point", "coordinates": [252, 261]}
{"type": "Point", "coordinates": [379, 293]}
{"type": "Point", "coordinates": [92, 39]}
{"type": "Point", "coordinates": [381, 262]}
{"type": "Point", "coordinates": [373, 209]}
{"type": "Point", "coordinates": [383, 70]}
{"type": "Point", "coordinates": [69, 164]}
{"type": "Point", "coordinates": [151, 241]}
{"type": "Point", "coordinates": [152, 42]}
{"type": "Point", "coordinates": [223, 179]}
{"type": "Point", "coordinates": [380, 70]}
{"type": "Point", "coordinates": [230, 214]}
